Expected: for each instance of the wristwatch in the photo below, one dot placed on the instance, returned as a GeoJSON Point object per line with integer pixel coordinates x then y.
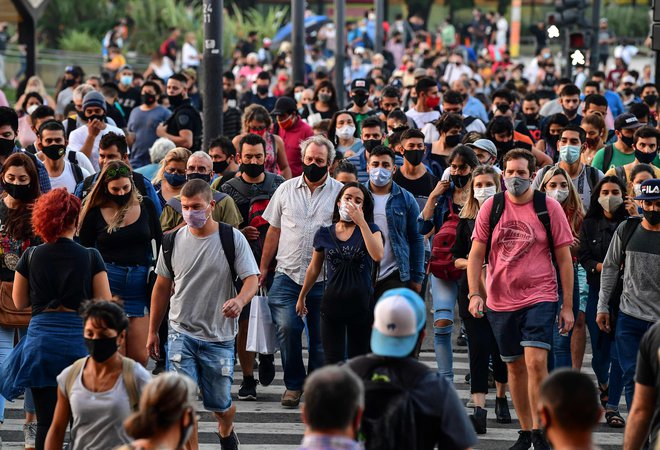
{"type": "Point", "coordinates": [474, 294]}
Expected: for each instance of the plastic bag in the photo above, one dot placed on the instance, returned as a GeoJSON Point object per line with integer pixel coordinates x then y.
{"type": "Point", "coordinates": [261, 336]}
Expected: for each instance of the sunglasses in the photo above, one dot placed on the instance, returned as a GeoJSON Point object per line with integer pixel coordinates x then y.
{"type": "Point", "coordinates": [119, 172]}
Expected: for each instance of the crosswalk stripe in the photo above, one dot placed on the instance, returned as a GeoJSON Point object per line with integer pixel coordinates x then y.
{"type": "Point", "coordinates": [264, 424]}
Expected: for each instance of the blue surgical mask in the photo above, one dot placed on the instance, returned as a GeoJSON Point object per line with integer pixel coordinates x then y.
{"type": "Point", "coordinates": [380, 176]}
{"type": "Point", "coordinates": [569, 153]}
{"type": "Point", "coordinates": [126, 80]}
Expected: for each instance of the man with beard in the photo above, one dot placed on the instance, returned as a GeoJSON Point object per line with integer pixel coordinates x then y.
{"type": "Point", "coordinates": [184, 127]}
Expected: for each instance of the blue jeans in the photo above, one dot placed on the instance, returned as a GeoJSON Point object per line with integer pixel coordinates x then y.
{"type": "Point", "coordinates": [616, 379]}
{"type": "Point", "coordinates": [444, 295]}
{"type": "Point", "coordinates": [209, 364]}
{"type": "Point", "coordinates": [130, 284]}
{"type": "Point", "coordinates": [6, 344]}
{"type": "Point", "coordinates": [600, 342]}
{"type": "Point", "coordinates": [629, 332]}
{"type": "Point", "coordinates": [561, 345]}
{"type": "Point", "coordinates": [282, 299]}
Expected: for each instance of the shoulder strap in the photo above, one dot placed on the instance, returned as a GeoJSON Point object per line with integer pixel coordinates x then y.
{"type": "Point", "coordinates": [592, 176]}
{"type": "Point", "coordinates": [628, 230]}
{"type": "Point", "coordinates": [70, 126]}
{"type": "Point", "coordinates": [608, 155]}
{"type": "Point", "coordinates": [168, 247]}
{"type": "Point", "coordinates": [620, 173]}
{"type": "Point", "coordinates": [227, 240]}
{"type": "Point", "coordinates": [273, 143]}
{"type": "Point", "coordinates": [496, 212]}
{"type": "Point", "coordinates": [218, 196]}
{"type": "Point", "coordinates": [138, 181]}
{"type": "Point", "coordinates": [76, 367]}
{"type": "Point", "coordinates": [128, 374]}
{"type": "Point", "coordinates": [77, 172]}
{"type": "Point", "coordinates": [87, 184]}
{"type": "Point", "coordinates": [541, 209]}
{"type": "Point", "coordinates": [175, 203]}
{"type": "Point", "coordinates": [71, 156]}
{"type": "Point", "coordinates": [239, 186]}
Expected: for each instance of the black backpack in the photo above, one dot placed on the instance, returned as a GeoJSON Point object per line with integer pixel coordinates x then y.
{"type": "Point", "coordinates": [226, 239]}
{"type": "Point", "coordinates": [389, 421]}
{"type": "Point", "coordinates": [608, 155]}
{"type": "Point", "coordinates": [77, 171]}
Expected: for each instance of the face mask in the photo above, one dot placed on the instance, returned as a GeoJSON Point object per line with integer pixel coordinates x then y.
{"type": "Point", "coordinates": [252, 170]}
{"type": "Point", "coordinates": [195, 218]}
{"type": "Point", "coordinates": [31, 109]}
{"type": "Point", "coordinates": [120, 200]}
{"type": "Point", "coordinates": [298, 96]}
{"type": "Point", "coordinates": [652, 217]}
{"type": "Point", "coordinates": [414, 157]}
{"type": "Point", "coordinates": [483, 194]}
{"type": "Point", "coordinates": [592, 142]}
{"type": "Point", "coordinates": [453, 140]}
{"type": "Point", "coordinates": [380, 176]}
{"type": "Point", "coordinates": [325, 98]}
{"type": "Point", "coordinates": [637, 189]}
{"type": "Point", "coordinates": [569, 112]}
{"type": "Point", "coordinates": [314, 173]}
{"type": "Point", "coordinates": [54, 152]}
{"type": "Point", "coordinates": [433, 102]}
{"type": "Point", "coordinates": [101, 349]}
{"type": "Point", "coordinates": [126, 80]}
{"type": "Point", "coordinates": [627, 141]}
{"type": "Point", "coordinates": [199, 176]}
{"type": "Point", "coordinates": [99, 117]}
{"type": "Point", "coordinates": [262, 90]}
{"type": "Point", "coordinates": [645, 158]}
{"type": "Point", "coordinates": [343, 212]}
{"type": "Point", "coordinates": [20, 192]}
{"type": "Point", "coordinates": [371, 144]}
{"type": "Point", "coordinates": [175, 100]}
{"type": "Point", "coordinates": [6, 146]}
{"type": "Point", "coordinates": [286, 124]}
{"type": "Point", "coordinates": [148, 99]}
{"type": "Point", "coordinates": [69, 82]}
{"type": "Point", "coordinates": [413, 99]}
{"type": "Point", "coordinates": [503, 147]}
{"type": "Point", "coordinates": [530, 119]}
{"type": "Point", "coordinates": [360, 99]}
{"type": "Point", "coordinates": [174, 179]}
{"type": "Point", "coordinates": [569, 153]}
{"type": "Point", "coordinates": [460, 181]}
{"type": "Point", "coordinates": [345, 132]}
{"type": "Point", "coordinates": [651, 100]}
{"type": "Point", "coordinates": [610, 203]}
{"type": "Point", "coordinates": [220, 166]}
{"type": "Point", "coordinates": [186, 432]}
{"type": "Point", "coordinates": [517, 186]}
{"type": "Point", "coordinates": [558, 194]}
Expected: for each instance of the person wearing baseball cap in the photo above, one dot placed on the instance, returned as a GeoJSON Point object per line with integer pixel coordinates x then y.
{"type": "Point", "coordinates": [637, 242]}
{"type": "Point", "coordinates": [360, 96]}
{"type": "Point", "coordinates": [486, 152]}
{"type": "Point", "coordinates": [293, 130]}
{"type": "Point", "coordinates": [621, 152]}
{"type": "Point", "coordinates": [396, 336]}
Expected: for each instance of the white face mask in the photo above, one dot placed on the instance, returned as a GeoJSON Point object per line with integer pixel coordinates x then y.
{"type": "Point", "coordinates": [558, 194]}
{"type": "Point", "coordinates": [345, 132]}
{"type": "Point", "coordinates": [483, 194]}
{"type": "Point", "coordinates": [343, 211]}
{"type": "Point", "coordinates": [31, 109]}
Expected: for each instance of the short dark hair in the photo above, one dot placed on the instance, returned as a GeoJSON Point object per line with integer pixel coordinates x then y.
{"type": "Point", "coordinates": [646, 132]}
{"type": "Point", "coordinates": [564, 81]}
{"type": "Point", "coordinates": [503, 93]}
{"type": "Point", "coordinates": [333, 396]}
{"type": "Point", "coordinates": [448, 121]}
{"type": "Point", "coordinates": [573, 399]}
{"type": "Point", "coordinates": [197, 187]}
{"type": "Point", "coordinates": [412, 133]}
{"type": "Point", "coordinates": [345, 166]}
{"type": "Point", "coordinates": [229, 75]}
{"type": "Point", "coordinates": [225, 145]}
{"type": "Point", "coordinates": [453, 98]}
{"type": "Point", "coordinates": [152, 84]}
{"type": "Point", "coordinates": [118, 140]}
{"type": "Point", "coordinates": [9, 117]}
{"type": "Point", "coordinates": [579, 130]}
{"type": "Point", "coordinates": [390, 92]}
{"type": "Point", "coordinates": [645, 85]}
{"type": "Point", "coordinates": [264, 75]}
{"type": "Point", "coordinates": [532, 97]}
{"type": "Point", "coordinates": [598, 74]}
{"type": "Point", "coordinates": [51, 125]}
{"type": "Point", "coordinates": [594, 84]}
{"type": "Point", "coordinates": [110, 314]}
{"type": "Point", "coordinates": [520, 153]}
{"type": "Point", "coordinates": [41, 112]}
{"type": "Point", "coordinates": [639, 110]}
{"type": "Point", "coordinates": [424, 84]}
{"type": "Point", "coordinates": [594, 99]}
{"type": "Point", "coordinates": [499, 125]}
{"type": "Point", "coordinates": [382, 150]}
{"type": "Point", "coordinates": [569, 90]}
{"type": "Point", "coordinates": [397, 114]}
{"type": "Point", "coordinates": [466, 153]}
{"type": "Point", "coordinates": [181, 78]}
{"type": "Point", "coordinates": [251, 139]}
{"type": "Point", "coordinates": [372, 122]}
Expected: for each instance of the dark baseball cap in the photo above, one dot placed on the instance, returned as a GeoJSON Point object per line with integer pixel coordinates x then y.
{"type": "Point", "coordinates": [360, 84]}
{"type": "Point", "coordinates": [650, 190]}
{"type": "Point", "coordinates": [284, 105]}
{"type": "Point", "coordinates": [626, 121]}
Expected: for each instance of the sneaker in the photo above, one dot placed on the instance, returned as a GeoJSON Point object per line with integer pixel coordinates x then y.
{"type": "Point", "coordinates": [160, 367]}
{"type": "Point", "coordinates": [30, 434]}
{"type": "Point", "coordinates": [266, 369]}
{"type": "Point", "coordinates": [461, 340]}
{"type": "Point", "coordinates": [524, 441]}
{"type": "Point", "coordinates": [230, 442]}
{"type": "Point", "coordinates": [539, 440]}
{"type": "Point", "coordinates": [248, 390]}
{"type": "Point", "coordinates": [478, 419]}
{"type": "Point", "coordinates": [502, 413]}
{"type": "Point", "coordinates": [291, 399]}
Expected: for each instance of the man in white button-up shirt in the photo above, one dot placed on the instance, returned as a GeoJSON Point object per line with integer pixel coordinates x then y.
{"type": "Point", "coordinates": [297, 210]}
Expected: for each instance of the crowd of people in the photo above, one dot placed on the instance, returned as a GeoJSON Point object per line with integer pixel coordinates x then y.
{"type": "Point", "coordinates": [524, 205]}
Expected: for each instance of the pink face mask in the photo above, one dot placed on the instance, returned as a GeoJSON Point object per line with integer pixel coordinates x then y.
{"type": "Point", "coordinates": [195, 218]}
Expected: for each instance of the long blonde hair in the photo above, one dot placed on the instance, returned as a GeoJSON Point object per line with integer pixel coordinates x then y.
{"type": "Point", "coordinates": [471, 207]}
{"type": "Point", "coordinates": [112, 170]}
{"type": "Point", "coordinates": [178, 154]}
{"type": "Point", "coordinates": [572, 206]}
{"type": "Point", "coordinates": [40, 88]}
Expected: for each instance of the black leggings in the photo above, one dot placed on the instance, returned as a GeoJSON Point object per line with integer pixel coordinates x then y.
{"type": "Point", "coordinates": [334, 335]}
{"type": "Point", "coordinates": [482, 347]}
{"type": "Point", "coordinates": [45, 400]}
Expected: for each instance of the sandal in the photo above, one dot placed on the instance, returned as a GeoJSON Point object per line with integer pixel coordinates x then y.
{"type": "Point", "coordinates": [614, 419]}
{"type": "Point", "coordinates": [604, 395]}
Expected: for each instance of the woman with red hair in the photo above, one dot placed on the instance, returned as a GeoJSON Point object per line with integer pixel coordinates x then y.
{"type": "Point", "coordinates": [54, 278]}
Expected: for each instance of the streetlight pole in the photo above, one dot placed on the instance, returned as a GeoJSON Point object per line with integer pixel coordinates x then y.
{"type": "Point", "coordinates": [380, 18]}
{"type": "Point", "coordinates": [595, 26]}
{"type": "Point", "coordinates": [212, 65]}
{"type": "Point", "coordinates": [298, 38]}
{"type": "Point", "coordinates": [340, 47]}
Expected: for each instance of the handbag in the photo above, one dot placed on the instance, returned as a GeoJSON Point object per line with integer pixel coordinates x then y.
{"type": "Point", "coordinates": [10, 316]}
{"type": "Point", "coordinates": [261, 336]}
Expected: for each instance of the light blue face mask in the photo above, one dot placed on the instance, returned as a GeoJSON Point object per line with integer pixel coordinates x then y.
{"type": "Point", "coordinates": [569, 153]}
{"type": "Point", "coordinates": [380, 176]}
{"type": "Point", "coordinates": [126, 80]}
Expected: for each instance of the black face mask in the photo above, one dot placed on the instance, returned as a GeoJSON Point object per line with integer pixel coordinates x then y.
{"type": "Point", "coordinates": [414, 157]}
{"type": "Point", "coordinates": [645, 158]}
{"type": "Point", "coordinates": [199, 176]}
{"type": "Point", "coordinates": [503, 147]}
{"type": "Point", "coordinates": [530, 119]}
{"type": "Point", "coordinates": [651, 100]}
{"type": "Point", "coordinates": [252, 170]}
{"type": "Point", "coordinates": [453, 140]}
{"type": "Point", "coordinates": [186, 431]}
{"type": "Point", "coordinates": [220, 166]}
{"type": "Point", "coordinates": [99, 117]}
{"type": "Point", "coordinates": [314, 173]}
{"type": "Point", "coordinates": [54, 152]}
{"type": "Point", "coordinates": [360, 99]}
{"type": "Point", "coordinates": [370, 144]}
{"type": "Point", "coordinates": [652, 217]}
{"type": "Point", "coordinates": [120, 200]}
{"type": "Point", "coordinates": [6, 146]}
{"type": "Point", "coordinates": [262, 90]}
{"type": "Point", "coordinates": [81, 115]}
{"type": "Point", "coordinates": [569, 112]}
{"type": "Point", "coordinates": [101, 349]}
{"type": "Point", "coordinates": [460, 181]}
{"type": "Point", "coordinates": [68, 82]}
{"type": "Point", "coordinates": [22, 192]}
{"type": "Point", "coordinates": [175, 100]}
{"type": "Point", "coordinates": [148, 99]}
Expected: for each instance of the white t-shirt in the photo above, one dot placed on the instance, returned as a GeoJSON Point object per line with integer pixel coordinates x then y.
{"type": "Point", "coordinates": [422, 118]}
{"type": "Point", "coordinates": [67, 178]}
{"type": "Point", "coordinates": [189, 56]}
{"type": "Point", "coordinates": [79, 135]}
{"type": "Point", "coordinates": [81, 158]}
{"type": "Point", "coordinates": [388, 263]}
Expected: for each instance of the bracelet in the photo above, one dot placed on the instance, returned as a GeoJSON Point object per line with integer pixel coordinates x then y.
{"type": "Point", "coordinates": [474, 294]}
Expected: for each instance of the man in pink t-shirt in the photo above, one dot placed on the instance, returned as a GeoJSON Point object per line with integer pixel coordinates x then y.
{"type": "Point", "coordinates": [521, 287]}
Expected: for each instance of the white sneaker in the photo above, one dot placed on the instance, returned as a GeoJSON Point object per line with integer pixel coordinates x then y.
{"type": "Point", "coordinates": [30, 434]}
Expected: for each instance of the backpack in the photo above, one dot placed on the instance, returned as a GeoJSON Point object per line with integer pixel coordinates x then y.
{"type": "Point", "coordinates": [77, 171]}
{"type": "Point", "coordinates": [441, 264]}
{"type": "Point", "coordinates": [620, 173]}
{"type": "Point", "coordinates": [541, 209]}
{"type": "Point", "coordinates": [608, 155]}
{"type": "Point", "coordinates": [592, 174]}
{"type": "Point", "coordinates": [629, 229]}
{"type": "Point", "coordinates": [389, 418]}
{"type": "Point", "coordinates": [127, 373]}
{"type": "Point", "coordinates": [226, 240]}
{"type": "Point", "coordinates": [175, 203]}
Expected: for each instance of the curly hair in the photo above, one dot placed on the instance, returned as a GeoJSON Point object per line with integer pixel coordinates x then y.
{"type": "Point", "coordinates": [54, 213]}
{"type": "Point", "coordinates": [258, 113]}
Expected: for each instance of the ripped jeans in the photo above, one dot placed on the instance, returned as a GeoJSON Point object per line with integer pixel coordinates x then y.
{"type": "Point", "coordinates": [444, 295]}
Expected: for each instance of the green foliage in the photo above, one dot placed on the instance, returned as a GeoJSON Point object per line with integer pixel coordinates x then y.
{"type": "Point", "coordinates": [628, 21]}
{"type": "Point", "coordinates": [80, 41]}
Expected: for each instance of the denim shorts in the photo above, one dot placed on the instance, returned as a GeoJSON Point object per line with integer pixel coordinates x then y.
{"type": "Point", "coordinates": [527, 327]}
{"type": "Point", "coordinates": [130, 284]}
{"type": "Point", "coordinates": [210, 364]}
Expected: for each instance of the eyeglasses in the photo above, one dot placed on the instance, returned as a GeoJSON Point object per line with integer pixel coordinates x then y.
{"type": "Point", "coordinates": [119, 172]}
